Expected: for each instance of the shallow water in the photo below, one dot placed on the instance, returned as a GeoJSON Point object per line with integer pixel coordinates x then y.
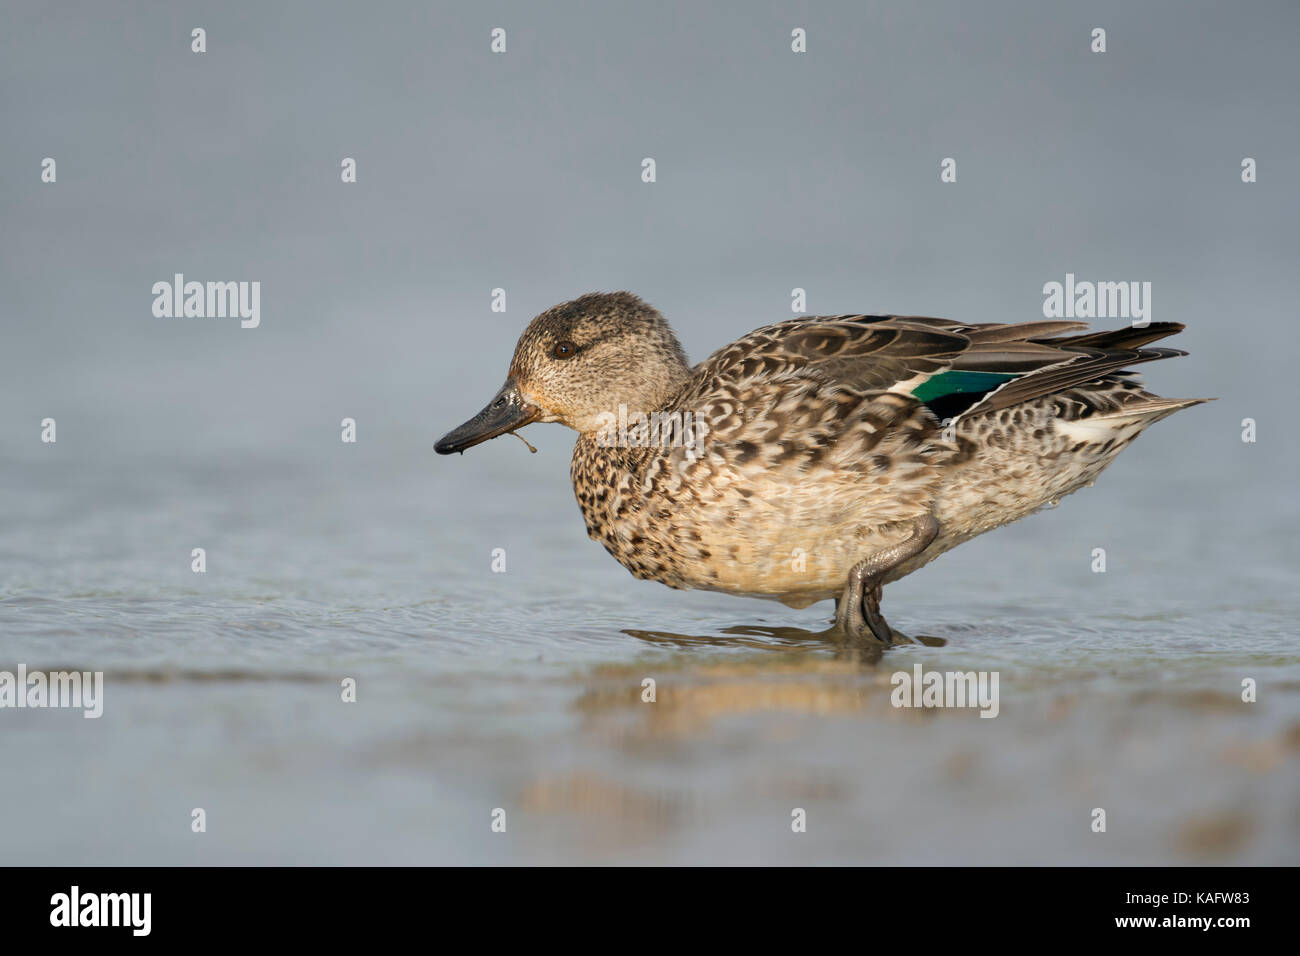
{"type": "Point", "coordinates": [522, 690]}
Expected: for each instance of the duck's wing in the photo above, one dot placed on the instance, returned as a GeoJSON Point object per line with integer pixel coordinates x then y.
{"type": "Point", "coordinates": [869, 352]}
{"type": "Point", "coordinates": [955, 368]}
{"type": "Point", "coordinates": [1068, 361]}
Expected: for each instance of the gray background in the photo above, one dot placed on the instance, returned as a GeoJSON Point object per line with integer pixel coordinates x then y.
{"type": "Point", "coordinates": [522, 170]}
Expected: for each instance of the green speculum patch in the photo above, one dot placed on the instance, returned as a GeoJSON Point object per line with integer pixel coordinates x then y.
{"type": "Point", "coordinates": [959, 383]}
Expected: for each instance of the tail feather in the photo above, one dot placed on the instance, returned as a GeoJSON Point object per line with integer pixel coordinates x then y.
{"type": "Point", "coordinates": [1149, 409]}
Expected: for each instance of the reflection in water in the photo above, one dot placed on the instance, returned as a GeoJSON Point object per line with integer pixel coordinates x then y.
{"type": "Point", "coordinates": [759, 637]}
{"type": "Point", "coordinates": [613, 813]}
{"type": "Point", "coordinates": [697, 703]}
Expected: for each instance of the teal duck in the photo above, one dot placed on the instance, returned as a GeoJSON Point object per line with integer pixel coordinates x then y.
{"type": "Point", "coordinates": [824, 456]}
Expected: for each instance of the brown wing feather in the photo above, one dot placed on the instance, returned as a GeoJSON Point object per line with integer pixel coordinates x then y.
{"type": "Point", "coordinates": [880, 352]}
{"type": "Point", "coordinates": [872, 352]}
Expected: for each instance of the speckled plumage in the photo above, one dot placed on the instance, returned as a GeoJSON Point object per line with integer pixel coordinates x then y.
{"type": "Point", "coordinates": [818, 451]}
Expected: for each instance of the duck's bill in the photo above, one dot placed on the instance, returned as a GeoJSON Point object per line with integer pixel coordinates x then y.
{"type": "Point", "coordinates": [506, 412]}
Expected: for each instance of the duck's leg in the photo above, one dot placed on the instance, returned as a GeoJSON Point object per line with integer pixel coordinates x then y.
{"type": "Point", "coordinates": [858, 611]}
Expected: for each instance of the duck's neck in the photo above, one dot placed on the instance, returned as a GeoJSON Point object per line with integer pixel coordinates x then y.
{"type": "Point", "coordinates": [654, 389]}
{"type": "Point", "coordinates": [658, 391]}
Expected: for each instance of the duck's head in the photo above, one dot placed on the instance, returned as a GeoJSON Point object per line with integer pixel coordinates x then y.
{"type": "Point", "coordinates": [576, 363]}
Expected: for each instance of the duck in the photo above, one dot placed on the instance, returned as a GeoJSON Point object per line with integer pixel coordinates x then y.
{"type": "Point", "coordinates": [821, 457]}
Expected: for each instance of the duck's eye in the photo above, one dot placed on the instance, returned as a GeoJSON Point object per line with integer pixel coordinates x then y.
{"type": "Point", "coordinates": [564, 350]}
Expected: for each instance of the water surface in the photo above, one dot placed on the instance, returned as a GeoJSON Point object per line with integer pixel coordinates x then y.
{"type": "Point", "coordinates": [522, 690]}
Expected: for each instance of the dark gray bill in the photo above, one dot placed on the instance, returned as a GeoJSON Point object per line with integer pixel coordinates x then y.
{"type": "Point", "coordinates": [506, 412]}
